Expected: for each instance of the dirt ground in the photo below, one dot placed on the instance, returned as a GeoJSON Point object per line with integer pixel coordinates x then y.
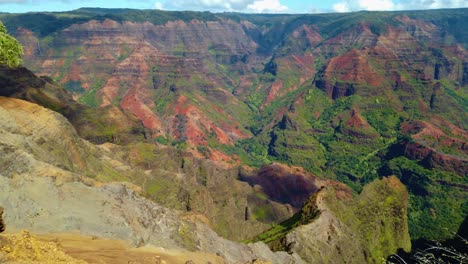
{"type": "Point", "coordinates": [95, 250]}
{"type": "Point", "coordinates": [103, 251]}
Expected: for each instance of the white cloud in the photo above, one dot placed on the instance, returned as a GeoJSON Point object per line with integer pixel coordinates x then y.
{"type": "Point", "coordinates": [202, 5]}
{"type": "Point", "coordinates": [380, 5]}
{"type": "Point", "coordinates": [254, 6]}
{"type": "Point", "coordinates": [377, 5]}
{"type": "Point", "coordinates": [267, 6]}
{"type": "Point", "coordinates": [432, 4]}
{"type": "Point", "coordinates": [341, 7]}
{"type": "Point", "coordinates": [371, 5]}
{"type": "Point", "coordinates": [158, 5]}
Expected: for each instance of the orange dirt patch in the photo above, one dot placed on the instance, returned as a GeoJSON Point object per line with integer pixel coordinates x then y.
{"type": "Point", "coordinates": [354, 67]}
{"type": "Point", "coordinates": [97, 250]}
{"type": "Point", "coordinates": [356, 120]}
{"type": "Point", "coordinates": [274, 91]}
{"type": "Point", "coordinates": [141, 111]}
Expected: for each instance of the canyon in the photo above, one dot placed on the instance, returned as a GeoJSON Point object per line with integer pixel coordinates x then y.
{"type": "Point", "coordinates": [231, 123]}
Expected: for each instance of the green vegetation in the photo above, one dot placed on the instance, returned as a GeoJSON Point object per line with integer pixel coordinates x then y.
{"type": "Point", "coordinates": [163, 140]}
{"type": "Point", "coordinates": [89, 97]}
{"type": "Point", "coordinates": [273, 235]}
{"type": "Point", "coordinates": [375, 220]}
{"type": "Point", "coordinates": [10, 49]}
{"type": "Point", "coordinates": [74, 87]}
{"type": "Point", "coordinates": [43, 24]}
{"type": "Point", "coordinates": [125, 53]}
{"type": "Point", "coordinates": [435, 210]}
{"type": "Point", "coordinates": [204, 150]}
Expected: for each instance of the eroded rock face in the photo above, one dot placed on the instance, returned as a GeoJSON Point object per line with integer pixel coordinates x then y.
{"type": "Point", "coordinates": [362, 230]}
{"type": "Point", "coordinates": [195, 80]}
{"type": "Point", "coordinates": [109, 124]}
{"type": "Point", "coordinates": [430, 139]}
{"type": "Point", "coordinates": [2, 224]}
{"type": "Point", "coordinates": [132, 65]}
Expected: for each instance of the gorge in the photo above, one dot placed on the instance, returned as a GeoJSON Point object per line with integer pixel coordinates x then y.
{"type": "Point", "coordinates": [192, 128]}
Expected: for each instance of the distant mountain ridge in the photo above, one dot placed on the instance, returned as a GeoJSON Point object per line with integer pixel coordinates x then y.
{"type": "Point", "coordinates": [351, 97]}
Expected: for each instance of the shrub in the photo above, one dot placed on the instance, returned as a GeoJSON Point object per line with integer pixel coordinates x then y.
{"type": "Point", "coordinates": [10, 49]}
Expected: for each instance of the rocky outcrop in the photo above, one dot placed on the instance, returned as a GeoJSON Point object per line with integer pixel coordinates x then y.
{"type": "Point", "coordinates": [344, 75]}
{"type": "Point", "coordinates": [114, 211]}
{"type": "Point", "coordinates": [379, 213]}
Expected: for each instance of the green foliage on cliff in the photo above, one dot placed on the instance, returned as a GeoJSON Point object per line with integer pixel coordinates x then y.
{"type": "Point", "coordinates": [273, 235]}
{"type": "Point", "coordinates": [378, 215]}
{"type": "Point", "coordinates": [43, 24]}
{"type": "Point", "coordinates": [437, 204]}
{"type": "Point", "coordinates": [373, 223]}
{"type": "Point", "coordinates": [89, 97]}
{"type": "Point", "coordinates": [10, 49]}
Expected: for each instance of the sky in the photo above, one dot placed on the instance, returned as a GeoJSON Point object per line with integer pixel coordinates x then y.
{"type": "Point", "coordinates": [247, 6]}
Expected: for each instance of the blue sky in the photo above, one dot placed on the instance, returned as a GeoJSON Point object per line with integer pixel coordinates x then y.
{"type": "Point", "coordinates": [250, 6]}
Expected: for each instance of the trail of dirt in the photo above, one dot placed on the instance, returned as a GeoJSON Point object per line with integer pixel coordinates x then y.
{"type": "Point", "coordinates": [97, 250]}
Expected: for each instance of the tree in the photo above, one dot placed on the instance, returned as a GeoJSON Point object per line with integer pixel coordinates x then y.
{"type": "Point", "coordinates": [10, 49]}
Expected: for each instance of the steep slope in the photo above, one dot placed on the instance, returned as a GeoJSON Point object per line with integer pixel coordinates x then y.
{"type": "Point", "coordinates": [75, 202]}
{"type": "Point", "coordinates": [321, 232]}
{"type": "Point", "coordinates": [33, 162]}
{"type": "Point", "coordinates": [108, 124]}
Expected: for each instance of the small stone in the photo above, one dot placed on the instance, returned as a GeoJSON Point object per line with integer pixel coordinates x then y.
{"type": "Point", "coordinates": [26, 234]}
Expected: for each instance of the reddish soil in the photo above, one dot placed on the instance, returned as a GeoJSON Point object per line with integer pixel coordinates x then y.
{"type": "Point", "coordinates": [356, 120]}
{"type": "Point", "coordinates": [274, 91]}
{"type": "Point", "coordinates": [429, 141]}
{"type": "Point", "coordinates": [354, 67]}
